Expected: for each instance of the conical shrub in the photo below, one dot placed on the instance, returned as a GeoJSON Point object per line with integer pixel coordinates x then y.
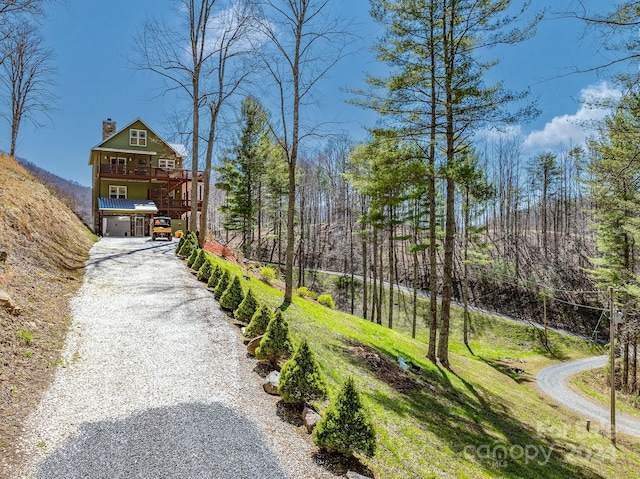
{"type": "Point", "coordinates": [247, 308]}
{"type": "Point", "coordinates": [192, 257]}
{"type": "Point", "coordinates": [186, 249]}
{"type": "Point", "coordinates": [276, 344]}
{"type": "Point", "coordinates": [301, 380]}
{"type": "Point", "coordinates": [214, 277]}
{"type": "Point", "coordinates": [346, 426]}
{"type": "Point", "coordinates": [204, 271]}
{"type": "Point", "coordinates": [180, 244]}
{"type": "Point", "coordinates": [232, 296]}
{"type": "Point", "coordinates": [222, 285]}
{"type": "Point", "coordinates": [259, 322]}
{"type": "Point", "coordinates": [200, 259]}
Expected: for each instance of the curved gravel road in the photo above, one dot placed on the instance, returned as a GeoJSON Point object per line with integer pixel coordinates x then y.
{"type": "Point", "coordinates": [553, 382]}
{"type": "Point", "coordinates": [155, 383]}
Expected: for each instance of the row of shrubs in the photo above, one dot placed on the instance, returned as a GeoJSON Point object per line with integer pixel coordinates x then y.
{"type": "Point", "coordinates": [346, 426]}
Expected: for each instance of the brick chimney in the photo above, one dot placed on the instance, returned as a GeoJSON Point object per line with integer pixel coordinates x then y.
{"type": "Point", "coordinates": [108, 128]}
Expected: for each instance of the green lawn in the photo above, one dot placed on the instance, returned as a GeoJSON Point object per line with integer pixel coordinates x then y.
{"type": "Point", "coordinates": [594, 384]}
{"type": "Point", "coordinates": [482, 418]}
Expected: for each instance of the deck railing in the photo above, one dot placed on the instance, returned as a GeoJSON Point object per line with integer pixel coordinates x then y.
{"type": "Point", "coordinates": [146, 172]}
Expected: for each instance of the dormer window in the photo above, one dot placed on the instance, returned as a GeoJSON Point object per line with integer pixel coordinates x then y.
{"type": "Point", "coordinates": [138, 137]}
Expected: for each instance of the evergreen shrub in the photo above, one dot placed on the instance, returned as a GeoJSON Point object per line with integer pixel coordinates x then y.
{"type": "Point", "coordinates": [276, 344]}
{"type": "Point", "coordinates": [247, 308]}
{"type": "Point", "coordinates": [204, 272]}
{"type": "Point", "coordinates": [222, 285]}
{"type": "Point", "coordinates": [232, 296]}
{"type": "Point", "coordinates": [214, 276]}
{"type": "Point", "coordinates": [259, 322]}
{"type": "Point", "coordinates": [193, 256]}
{"type": "Point", "coordinates": [200, 259]}
{"type": "Point", "coordinates": [186, 249]}
{"type": "Point", "coordinates": [346, 426]}
{"type": "Point", "coordinates": [301, 380]}
{"type": "Point", "coordinates": [180, 244]}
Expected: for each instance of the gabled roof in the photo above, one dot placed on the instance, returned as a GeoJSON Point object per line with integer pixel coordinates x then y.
{"type": "Point", "coordinates": [126, 205]}
{"type": "Point", "coordinates": [177, 148]}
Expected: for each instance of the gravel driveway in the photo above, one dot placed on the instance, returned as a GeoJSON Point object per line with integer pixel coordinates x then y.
{"type": "Point", "coordinates": [553, 382]}
{"type": "Point", "coordinates": [154, 383]}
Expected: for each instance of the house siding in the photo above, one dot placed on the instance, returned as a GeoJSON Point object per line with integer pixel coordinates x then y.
{"type": "Point", "coordinates": [140, 173]}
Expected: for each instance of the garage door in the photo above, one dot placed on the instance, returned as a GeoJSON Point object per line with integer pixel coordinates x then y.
{"type": "Point", "coordinates": [117, 226]}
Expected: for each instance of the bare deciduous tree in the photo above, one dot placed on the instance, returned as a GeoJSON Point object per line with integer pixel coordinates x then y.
{"type": "Point", "coordinates": [178, 55]}
{"type": "Point", "coordinates": [308, 38]}
{"type": "Point", "coordinates": [195, 58]}
{"type": "Point", "coordinates": [27, 77]}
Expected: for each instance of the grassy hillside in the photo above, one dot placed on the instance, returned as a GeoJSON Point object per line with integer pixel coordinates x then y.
{"type": "Point", "coordinates": [46, 245]}
{"type": "Point", "coordinates": [483, 418]}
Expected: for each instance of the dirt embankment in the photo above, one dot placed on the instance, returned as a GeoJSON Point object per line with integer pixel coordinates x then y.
{"type": "Point", "coordinates": [46, 246]}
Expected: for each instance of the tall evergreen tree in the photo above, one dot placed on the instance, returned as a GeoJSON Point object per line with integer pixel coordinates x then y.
{"type": "Point", "coordinates": [436, 93]}
{"type": "Point", "coordinates": [242, 172]}
{"type": "Point", "coordinates": [615, 168]}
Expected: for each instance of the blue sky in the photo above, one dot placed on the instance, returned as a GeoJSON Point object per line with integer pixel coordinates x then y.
{"type": "Point", "coordinates": [93, 41]}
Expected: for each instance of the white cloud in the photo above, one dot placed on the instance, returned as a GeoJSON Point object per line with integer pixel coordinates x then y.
{"type": "Point", "coordinates": [574, 128]}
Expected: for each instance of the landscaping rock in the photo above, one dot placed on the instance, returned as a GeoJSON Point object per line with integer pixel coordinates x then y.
{"type": "Point", "coordinates": [7, 302]}
{"type": "Point", "coordinates": [310, 419]}
{"type": "Point", "coordinates": [271, 382]}
{"type": "Point", "coordinates": [253, 345]}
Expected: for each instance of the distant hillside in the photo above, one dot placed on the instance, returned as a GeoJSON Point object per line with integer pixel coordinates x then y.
{"type": "Point", "coordinates": [74, 195]}
{"type": "Point", "coordinates": [43, 246]}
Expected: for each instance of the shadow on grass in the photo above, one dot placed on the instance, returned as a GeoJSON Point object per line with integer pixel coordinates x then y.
{"type": "Point", "coordinates": [516, 373]}
{"type": "Point", "coordinates": [479, 426]}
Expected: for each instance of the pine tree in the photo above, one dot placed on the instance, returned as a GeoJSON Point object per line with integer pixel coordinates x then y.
{"type": "Point", "coordinates": [242, 172]}
{"type": "Point", "coordinates": [300, 378]}
{"type": "Point", "coordinates": [436, 90]}
{"type": "Point", "coordinates": [247, 308]}
{"type": "Point", "coordinates": [259, 322]}
{"type": "Point", "coordinates": [222, 284]}
{"type": "Point", "coordinates": [346, 426]}
{"type": "Point", "coordinates": [614, 170]}
{"type": "Point", "coordinates": [276, 344]}
{"type": "Point", "coordinates": [232, 296]}
{"type": "Point", "coordinates": [204, 272]}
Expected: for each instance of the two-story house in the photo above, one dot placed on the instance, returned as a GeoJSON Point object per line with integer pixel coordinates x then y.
{"type": "Point", "coordinates": [137, 175]}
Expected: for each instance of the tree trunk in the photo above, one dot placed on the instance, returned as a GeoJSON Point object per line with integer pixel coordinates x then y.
{"type": "Point", "coordinates": [465, 269]}
{"type": "Point", "coordinates": [374, 290]}
{"type": "Point", "coordinates": [195, 141]}
{"type": "Point", "coordinates": [433, 260]}
{"type": "Point", "coordinates": [391, 267]}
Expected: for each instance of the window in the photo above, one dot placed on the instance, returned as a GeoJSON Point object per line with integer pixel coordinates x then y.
{"type": "Point", "coordinates": [117, 191]}
{"type": "Point", "coordinates": [164, 163]}
{"type": "Point", "coordinates": [142, 161]}
{"type": "Point", "coordinates": [118, 161]}
{"type": "Point", "coordinates": [138, 137]}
